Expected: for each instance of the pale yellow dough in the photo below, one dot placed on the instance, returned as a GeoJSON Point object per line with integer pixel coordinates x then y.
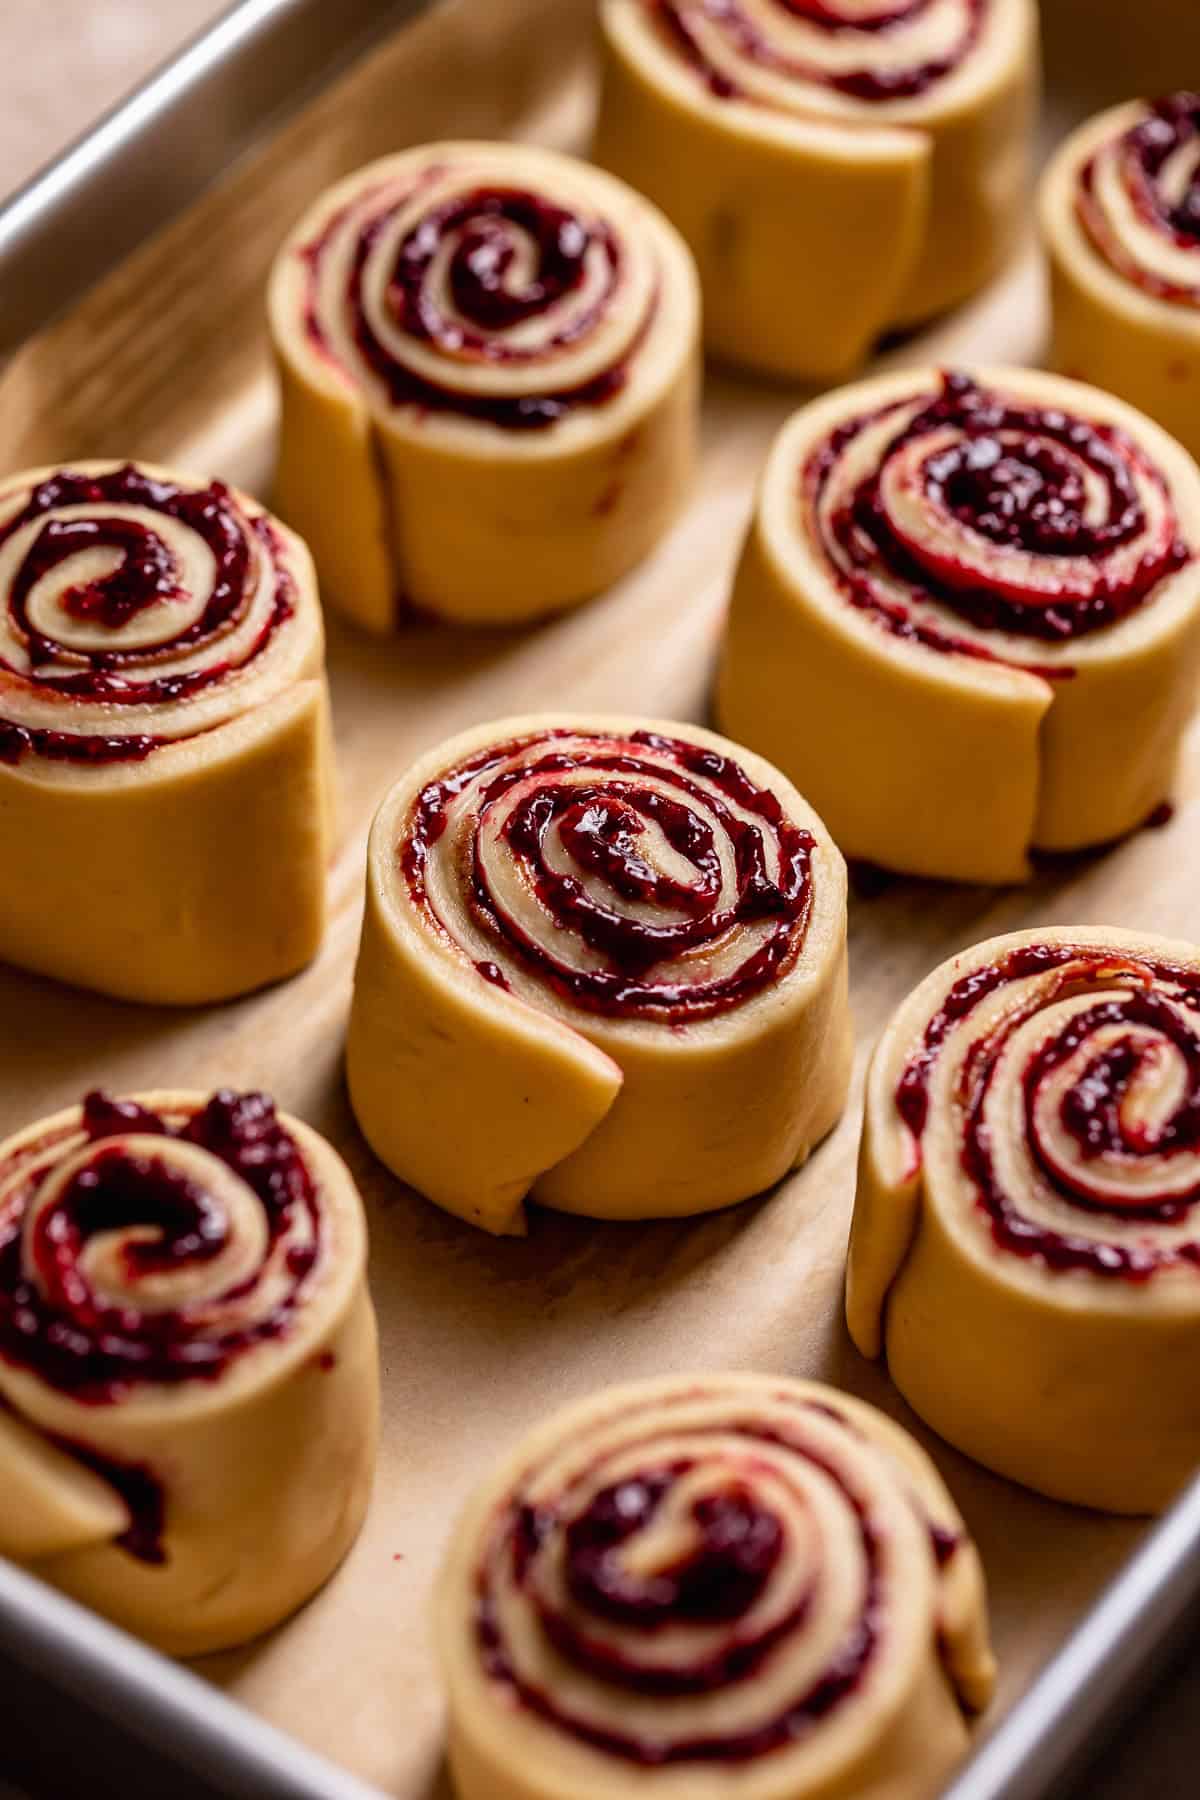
{"type": "Point", "coordinates": [818, 221]}
{"type": "Point", "coordinates": [265, 1470]}
{"type": "Point", "coordinates": [480, 1097]}
{"type": "Point", "coordinates": [798, 1449]}
{"type": "Point", "coordinates": [196, 872]}
{"type": "Point", "coordinates": [1107, 329]}
{"type": "Point", "coordinates": [1083, 1386]}
{"type": "Point", "coordinates": [937, 762]}
{"type": "Point", "coordinates": [468, 519]}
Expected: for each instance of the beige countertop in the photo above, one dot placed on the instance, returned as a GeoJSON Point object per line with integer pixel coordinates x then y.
{"type": "Point", "coordinates": [64, 61]}
{"type": "Point", "coordinates": [61, 63]}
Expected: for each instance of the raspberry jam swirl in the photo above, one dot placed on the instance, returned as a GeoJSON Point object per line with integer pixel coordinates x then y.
{"type": "Point", "coordinates": [142, 1247]}
{"type": "Point", "coordinates": [1138, 200]}
{"type": "Point", "coordinates": [635, 877]}
{"type": "Point", "coordinates": [483, 284]}
{"type": "Point", "coordinates": [983, 523]}
{"type": "Point", "coordinates": [721, 1572]}
{"type": "Point", "coordinates": [1073, 1072]}
{"type": "Point", "coordinates": [134, 612]}
{"type": "Point", "coordinates": [823, 55]}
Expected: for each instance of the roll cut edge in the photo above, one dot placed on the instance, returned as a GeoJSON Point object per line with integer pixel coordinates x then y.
{"type": "Point", "coordinates": [603, 964]}
{"type": "Point", "coordinates": [490, 378]}
{"type": "Point", "coordinates": [835, 171]}
{"type": "Point", "coordinates": [188, 1371]}
{"type": "Point", "coordinates": [966, 620]}
{"type": "Point", "coordinates": [1024, 1246]}
{"type": "Point", "coordinates": [166, 760]}
{"type": "Point", "coordinates": [1119, 209]}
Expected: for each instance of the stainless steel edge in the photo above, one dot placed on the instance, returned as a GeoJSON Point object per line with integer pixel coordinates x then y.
{"type": "Point", "coordinates": [157, 151]}
{"type": "Point", "coordinates": [179, 1719]}
{"type": "Point", "coordinates": [1104, 1667]}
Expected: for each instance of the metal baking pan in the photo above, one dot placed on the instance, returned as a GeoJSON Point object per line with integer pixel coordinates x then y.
{"type": "Point", "coordinates": [86, 1708]}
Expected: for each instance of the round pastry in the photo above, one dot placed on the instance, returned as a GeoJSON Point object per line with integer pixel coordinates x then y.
{"type": "Point", "coordinates": [838, 167]}
{"type": "Point", "coordinates": [188, 1378]}
{"type": "Point", "coordinates": [966, 621]}
{"type": "Point", "coordinates": [490, 373]}
{"type": "Point", "coordinates": [1120, 215]}
{"type": "Point", "coordinates": [165, 756]}
{"type": "Point", "coordinates": [603, 963]}
{"type": "Point", "coordinates": [1025, 1245]}
{"type": "Point", "coordinates": [727, 1584]}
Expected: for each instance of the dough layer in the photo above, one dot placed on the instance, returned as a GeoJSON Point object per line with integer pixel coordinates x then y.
{"type": "Point", "coordinates": [1124, 253]}
{"type": "Point", "coordinates": [166, 763]}
{"type": "Point", "coordinates": [187, 1362]}
{"type": "Point", "coordinates": [489, 365]}
{"type": "Point", "coordinates": [712, 1585]}
{"type": "Point", "coordinates": [603, 964]}
{"type": "Point", "coordinates": [1024, 1248]}
{"type": "Point", "coordinates": [832, 179]}
{"type": "Point", "coordinates": [966, 621]}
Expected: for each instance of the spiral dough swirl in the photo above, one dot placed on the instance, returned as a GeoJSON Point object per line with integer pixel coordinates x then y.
{"type": "Point", "coordinates": [619, 945]}
{"type": "Point", "coordinates": [188, 1380]}
{"type": "Point", "coordinates": [639, 877]}
{"type": "Point", "coordinates": [1137, 200]}
{"type": "Point", "coordinates": [969, 577]}
{"type": "Point", "coordinates": [1097, 1055]}
{"type": "Point", "coordinates": [1025, 1247]}
{"type": "Point", "coordinates": [976, 522]}
{"type": "Point", "coordinates": [731, 1571]}
{"type": "Point", "coordinates": [810, 54]}
{"type": "Point", "coordinates": [452, 287]}
{"type": "Point", "coordinates": [134, 612]}
{"type": "Point", "coordinates": [139, 1248]}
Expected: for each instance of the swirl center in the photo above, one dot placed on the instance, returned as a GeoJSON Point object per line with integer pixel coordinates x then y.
{"type": "Point", "coordinates": [710, 1583]}
{"type": "Point", "coordinates": [505, 287]}
{"type": "Point", "coordinates": [971, 508]}
{"type": "Point", "coordinates": [1078, 1099]}
{"type": "Point", "coordinates": [94, 554]}
{"type": "Point", "coordinates": [639, 877]}
{"type": "Point", "coordinates": [144, 1222]}
{"type": "Point", "coordinates": [139, 570]}
{"type": "Point", "coordinates": [1112, 1107]}
{"type": "Point", "coordinates": [153, 1250]}
{"type": "Point", "coordinates": [1138, 201]}
{"type": "Point", "coordinates": [125, 596]}
{"type": "Point", "coordinates": [709, 1567]}
{"type": "Point", "coordinates": [504, 258]}
{"type": "Point", "coordinates": [785, 53]}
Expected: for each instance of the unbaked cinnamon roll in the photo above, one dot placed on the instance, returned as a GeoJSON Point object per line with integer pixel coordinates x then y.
{"type": "Point", "coordinates": [1120, 215]}
{"type": "Point", "coordinates": [732, 1584]}
{"type": "Point", "coordinates": [1025, 1244]}
{"type": "Point", "coordinates": [838, 167]}
{"type": "Point", "coordinates": [188, 1380]}
{"type": "Point", "coordinates": [165, 756]}
{"type": "Point", "coordinates": [603, 964]}
{"type": "Point", "coordinates": [489, 365]}
{"type": "Point", "coordinates": [967, 618]}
